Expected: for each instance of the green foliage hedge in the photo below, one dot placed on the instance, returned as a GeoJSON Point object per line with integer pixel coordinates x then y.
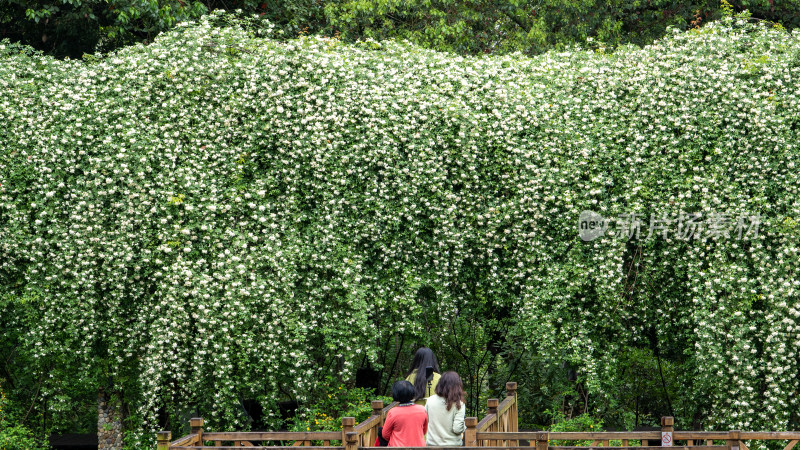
{"type": "Point", "coordinates": [13, 434]}
{"type": "Point", "coordinates": [221, 215]}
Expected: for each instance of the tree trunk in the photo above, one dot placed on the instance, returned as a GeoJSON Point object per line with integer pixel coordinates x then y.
{"type": "Point", "coordinates": [109, 422]}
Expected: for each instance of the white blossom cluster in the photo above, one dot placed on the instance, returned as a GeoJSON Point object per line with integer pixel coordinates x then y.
{"type": "Point", "coordinates": [219, 215]}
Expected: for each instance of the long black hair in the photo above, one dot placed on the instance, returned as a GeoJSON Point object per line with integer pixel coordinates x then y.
{"type": "Point", "coordinates": [422, 359]}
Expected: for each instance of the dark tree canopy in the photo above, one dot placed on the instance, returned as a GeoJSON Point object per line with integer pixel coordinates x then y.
{"type": "Point", "coordinates": [74, 27]}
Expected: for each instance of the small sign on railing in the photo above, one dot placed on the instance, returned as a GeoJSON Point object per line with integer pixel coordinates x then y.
{"type": "Point", "coordinates": [666, 431]}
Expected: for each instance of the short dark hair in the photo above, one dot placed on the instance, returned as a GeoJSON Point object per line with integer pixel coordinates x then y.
{"type": "Point", "coordinates": [403, 391]}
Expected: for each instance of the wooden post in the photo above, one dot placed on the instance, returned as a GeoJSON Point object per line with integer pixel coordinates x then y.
{"type": "Point", "coordinates": [666, 431]}
{"type": "Point", "coordinates": [377, 407]}
{"type": "Point", "coordinates": [491, 409]}
{"type": "Point", "coordinates": [733, 440]}
{"type": "Point", "coordinates": [471, 433]}
{"type": "Point", "coordinates": [491, 405]}
{"type": "Point", "coordinates": [347, 427]}
{"type": "Point", "coordinates": [542, 441]}
{"type": "Point", "coordinates": [162, 439]}
{"type": "Point", "coordinates": [351, 440]}
{"type": "Point", "coordinates": [196, 424]}
{"type": "Point", "coordinates": [377, 410]}
{"type": "Point", "coordinates": [511, 389]}
{"type": "Point", "coordinates": [513, 412]}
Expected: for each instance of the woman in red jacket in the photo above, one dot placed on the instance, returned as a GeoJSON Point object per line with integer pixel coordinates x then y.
{"type": "Point", "coordinates": [406, 423]}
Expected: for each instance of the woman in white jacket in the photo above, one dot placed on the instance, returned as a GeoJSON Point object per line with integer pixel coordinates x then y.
{"type": "Point", "coordinates": [446, 412]}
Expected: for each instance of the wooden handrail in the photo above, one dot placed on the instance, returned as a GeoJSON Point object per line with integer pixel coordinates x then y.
{"type": "Point", "coordinates": [370, 422]}
{"type": "Point", "coordinates": [576, 447]}
{"type": "Point", "coordinates": [188, 439]}
{"type": "Point", "coordinates": [573, 435]}
{"type": "Point", "coordinates": [505, 412]}
{"type": "Point", "coordinates": [367, 431]}
{"type": "Point", "coordinates": [603, 435]}
{"type": "Point", "coordinates": [743, 435]}
{"type": "Point", "coordinates": [506, 405]}
{"type": "Point", "coordinates": [273, 436]}
{"type": "Point", "coordinates": [486, 422]}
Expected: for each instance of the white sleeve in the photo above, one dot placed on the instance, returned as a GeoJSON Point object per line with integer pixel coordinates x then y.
{"type": "Point", "coordinates": [458, 420]}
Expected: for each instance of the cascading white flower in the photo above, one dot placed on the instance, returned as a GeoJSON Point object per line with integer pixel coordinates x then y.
{"type": "Point", "coordinates": [219, 216]}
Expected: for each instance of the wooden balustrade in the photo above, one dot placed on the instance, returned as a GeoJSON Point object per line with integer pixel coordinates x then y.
{"type": "Point", "coordinates": [351, 436]}
{"type": "Point", "coordinates": [500, 417]}
{"type": "Point", "coordinates": [199, 439]}
{"type": "Point", "coordinates": [693, 440]}
{"type": "Point", "coordinates": [367, 431]}
{"type": "Point", "coordinates": [497, 430]}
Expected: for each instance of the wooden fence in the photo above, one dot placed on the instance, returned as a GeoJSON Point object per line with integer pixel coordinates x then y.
{"type": "Point", "coordinates": [497, 430]}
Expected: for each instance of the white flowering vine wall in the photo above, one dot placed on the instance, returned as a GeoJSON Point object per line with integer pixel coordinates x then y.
{"type": "Point", "coordinates": [220, 215]}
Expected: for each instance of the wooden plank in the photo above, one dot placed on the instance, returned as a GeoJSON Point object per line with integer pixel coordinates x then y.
{"type": "Point", "coordinates": [604, 435]}
{"type": "Point", "coordinates": [769, 435]}
{"type": "Point", "coordinates": [698, 435]}
{"type": "Point", "coordinates": [743, 435]}
{"type": "Point", "coordinates": [387, 408]}
{"type": "Point", "coordinates": [578, 447]}
{"type": "Point", "coordinates": [790, 445]}
{"type": "Point", "coordinates": [487, 422]}
{"type": "Point", "coordinates": [506, 405]}
{"type": "Point", "coordinates": [184, 440]}
{"type": "Point", "coordinates": [572, 436]}
{"type": "Point", "coordinates": [372, 421]}
{"type": "Point", "coordinates": [273, 436]}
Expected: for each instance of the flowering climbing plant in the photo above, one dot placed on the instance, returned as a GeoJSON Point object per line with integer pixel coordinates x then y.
{"type": "Point", "coordinates": [220, 215]}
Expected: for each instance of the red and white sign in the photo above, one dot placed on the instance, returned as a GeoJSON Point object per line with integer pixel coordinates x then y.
{"type": "Point", "coordinates": [666, 438]}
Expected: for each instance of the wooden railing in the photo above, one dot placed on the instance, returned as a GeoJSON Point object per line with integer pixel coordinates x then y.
{"type": "Point", "coordinates": [230, 440]}
{"type": "Point", "coordinates": [361, 435]}
{"type": "Point", "coordinates": [498, 429]}
{"type": "Point", "coordinates": [640, 440]}
{"type": "Point", "coordinates": [367, 431]}
{"type": "Point", "coordinates": [500, 418]}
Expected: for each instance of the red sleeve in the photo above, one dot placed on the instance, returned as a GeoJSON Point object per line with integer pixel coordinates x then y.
{"type": "Point", "coordinates": [425, 424]}
{"type": "Point", "coordinates": [388, 426]}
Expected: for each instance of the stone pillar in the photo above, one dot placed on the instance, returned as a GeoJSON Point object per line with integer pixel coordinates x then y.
{"type": "Point", "coordinates": [109, 422]}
